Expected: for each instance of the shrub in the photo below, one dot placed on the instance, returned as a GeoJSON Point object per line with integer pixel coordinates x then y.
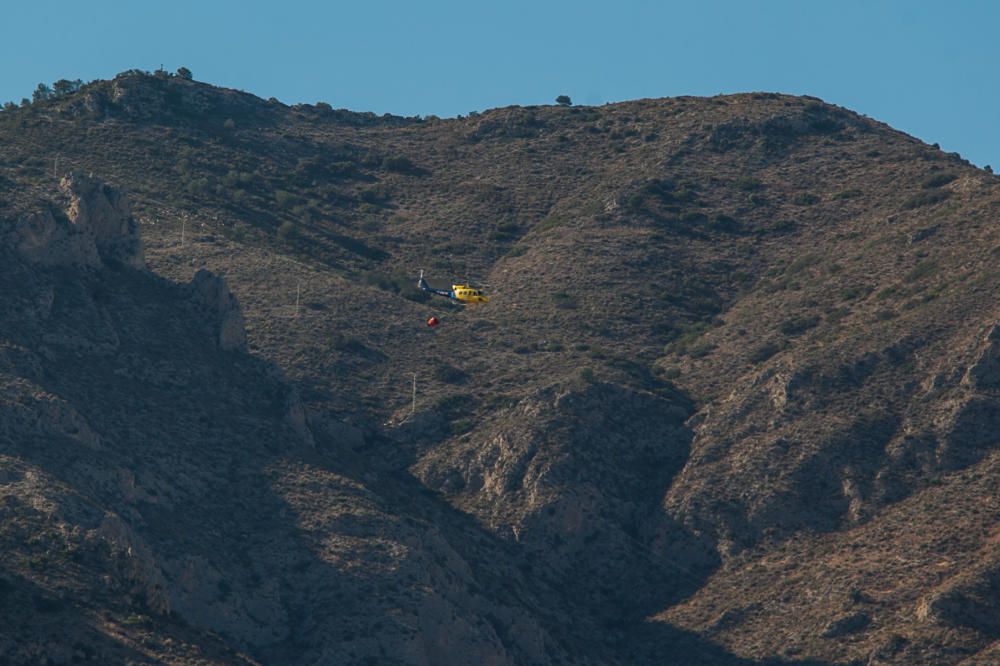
{"type": "Point", "coordinates": [587, 375]}
{"type": "Point", "coordinates": [799, 325]}
{"type": "Point", "coordinates": [287, 231]}
{"type": "Point", "coordinates": [921, 270]}
{"type": "Point", "coordinates": [564, 100]}
{"type": "Point", "coordinates": [399, 164]}
{"type": "Point", "coordinates": [937, 180]}
{"type": "Point", "coordinates": [805, 199]}
{"type": "Point", "coordinates": [184, 73]}
{"type": "Point", "coordinates": [764, 352]}
{"type": "Point", "coordinates": [199, 186]}
{"type": "Point", "coordinates": [685, 339]}
{"type": "Point", "coordinates": [230, 124]}
{"type": "Point", "coordinates": [855, 291]}
{"type": "Point", "coordinates": [564, 300]}
{"type": "Point", "coordinates": [449, 374]}
{"type": "Point", "coordinates": [748, 184]}
{"type": "Point", "coordinates": [888, 292]}
{"type": "Point", "coordinates": [65, 86]}
{"type": "Point", "coordinates": [694, 217]}
{"type": "Point", "coordinates": [41, 93]}
{"type": "Point", "coordinates": [374, 195]}
{"type": "Point", "coordinates": [926, 198]}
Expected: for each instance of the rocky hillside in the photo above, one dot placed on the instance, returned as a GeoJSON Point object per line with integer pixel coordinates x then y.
{"type": "Point", "coordinates": [735, 399]}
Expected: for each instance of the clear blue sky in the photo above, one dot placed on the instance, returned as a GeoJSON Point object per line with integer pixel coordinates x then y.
{"type": "Point", "coordinates": [931, 69]}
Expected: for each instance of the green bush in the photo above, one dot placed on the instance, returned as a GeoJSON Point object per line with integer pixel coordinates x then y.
{"type": "Point", "coordinates": [287, 231]}
{"type": "Point", "coordinates": [184, 73]}
{"type": "Point", "coordinates": [564, 100]}
{"type": "Point", "coordinates": [284, 199]}
{"type": "Point", "coordinates": [449, 374]}
{"type": "Point", "coordinates": [726, 224]}
{"type": "Point", "coordinates": [41, 93]}
{"type": "Point", "coordinates": [805, 199]}
{"type": "Point", "coordinates": [926, 198]}
{"type": "Point", "coordinates": [693, 217]}
{"type": "Point", "coordinates": [855, 291]}
{"type": "Point", "coordinates": [399, 164]}
{"type": "Point", "coordinates": [564, 300]}
{"type": "Point", "coordinates": [764, 352]}
{"type": "Point", "coordinates": [374, 195]}
{"type": "Point", "coordinates": [938, 179]}
{"type": "Point", "coordinates": [800, 324]}
{"type": "Point", "coordinates": [888, 292]}
{"type": "Point", "coordinates": [685, 339]}
{"type": "Point", "coordinates": [921, 270]}
{"type": "Point", "coordinates": [65, 87]}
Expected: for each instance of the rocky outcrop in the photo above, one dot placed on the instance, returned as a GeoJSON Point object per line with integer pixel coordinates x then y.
{"type": "Point", "coordinates": [47, 239]}
{"type": "Point", "coordinates": [225, 316]}
{"type": "Point", "coordinates": [96, 229]}
{"type": "Point", "coordinates": [970, 600]}
{"type": "Point", "coordinates": [106, 212]}
{"type": "Point", "coordinates": [984, 373]}
{"type": "Point", "coordinates": [297, 418]}
{"type": "Point", "coordinates": [576, 476]}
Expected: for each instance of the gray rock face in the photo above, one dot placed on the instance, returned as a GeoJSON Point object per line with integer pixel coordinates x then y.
{"type": "Point", "coordinates": [106, 212]}
{"type": "Point", "coordinates": [97, 228]}
{"type": "Point", "coordinates": [47, 240]}
{"type": "Point", "coordinates": [576, 476]}
{"type": "Point", "coordinates": [985, 372]}
{"type": "Point", "coordinates": [211, 292]}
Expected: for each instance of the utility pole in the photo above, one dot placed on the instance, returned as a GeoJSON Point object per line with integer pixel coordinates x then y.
{"type": "Point", "coordinates": [413, 408]}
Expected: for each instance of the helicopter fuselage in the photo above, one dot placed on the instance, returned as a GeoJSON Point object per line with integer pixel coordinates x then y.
{"type": "Point", "coordinates": [466, 294]}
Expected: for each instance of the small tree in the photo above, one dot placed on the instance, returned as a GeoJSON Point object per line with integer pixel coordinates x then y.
{"type": "Point", "coordinates": [184, 73]}
{"type": "Point", "coordinates": [42, 92]}
{"type": "Point", "coordinates": [564, 100]}
{"type": "Point", "coordinates": [10, 106]}
{"type": "Point", "coordinates": [65, 86]}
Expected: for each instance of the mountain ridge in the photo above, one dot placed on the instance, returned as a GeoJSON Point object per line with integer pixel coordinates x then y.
{"type": "Point", "coordinates": [730, 339]}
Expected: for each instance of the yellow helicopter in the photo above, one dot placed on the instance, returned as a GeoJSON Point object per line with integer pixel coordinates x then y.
{"type": "Point", "coordinates": [463, 293]}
